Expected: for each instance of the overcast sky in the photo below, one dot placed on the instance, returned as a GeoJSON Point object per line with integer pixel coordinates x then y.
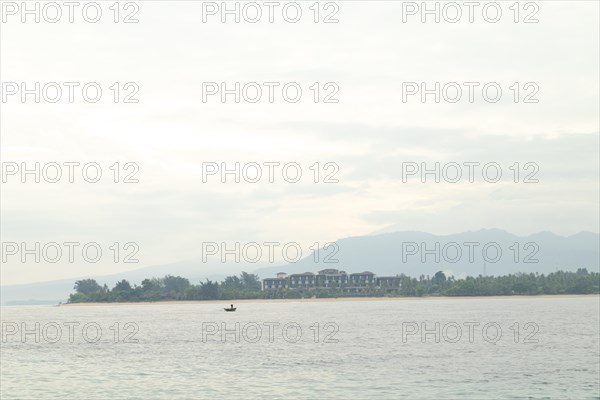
{"type": "Point", "coordinates": [369, 133]}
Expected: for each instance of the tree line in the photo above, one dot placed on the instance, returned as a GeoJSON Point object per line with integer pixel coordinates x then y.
{"type": "Point", "coordinates": [245, 286]}
{"type": "Point", "coordinates": [248, 286]}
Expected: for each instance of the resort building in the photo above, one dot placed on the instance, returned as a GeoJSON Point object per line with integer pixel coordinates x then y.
{"type": "Point", "coordinates": [302, 281]}
{"type": "Point", "coordinates": [332, 279]}
{"type": "Point", "coordinates": [362, 279]}
{"type": "Point", "coordinates": [275, 283]}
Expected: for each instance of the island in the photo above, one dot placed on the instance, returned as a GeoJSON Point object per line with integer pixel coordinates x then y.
{"type": "Point", "coordinates": [332, 283]}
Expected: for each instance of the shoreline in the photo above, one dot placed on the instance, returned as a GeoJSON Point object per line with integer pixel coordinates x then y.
{"type": "Point", "coordinates": [330, 299]}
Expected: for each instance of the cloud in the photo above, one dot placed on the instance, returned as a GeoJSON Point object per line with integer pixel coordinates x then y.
{"type": "Point", "coordinates": [368, 134]}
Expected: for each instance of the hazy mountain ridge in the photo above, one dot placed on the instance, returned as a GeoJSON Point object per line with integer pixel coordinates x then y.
{"type": "Point", "coordinates": [383, 254]}
{"type": "Point", "coordinates": [380, 253]}
{"type": "Point", "coordinates": [59, 290]}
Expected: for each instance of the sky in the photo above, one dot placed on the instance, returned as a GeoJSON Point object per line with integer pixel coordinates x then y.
{"type": "Point", "coordinates": [367, 132]}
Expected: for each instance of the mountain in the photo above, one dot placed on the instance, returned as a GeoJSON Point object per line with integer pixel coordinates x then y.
{"type": "Point", "coordinates": [384, 254]}
{"type": "Point", "coordinates": [59, 290]}
{"type": "Point", "coordinates": [414, 253]}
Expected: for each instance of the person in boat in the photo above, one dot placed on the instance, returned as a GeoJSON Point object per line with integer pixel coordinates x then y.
{"type": "Point", "coordinates": [232, 306]}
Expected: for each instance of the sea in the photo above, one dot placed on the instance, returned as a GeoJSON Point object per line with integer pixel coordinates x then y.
{"type": "Point", "coordinates": [463, 348]}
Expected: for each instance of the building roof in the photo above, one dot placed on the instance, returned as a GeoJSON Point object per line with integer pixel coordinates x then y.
{"type": "Point", "coordinates": [330, 271]}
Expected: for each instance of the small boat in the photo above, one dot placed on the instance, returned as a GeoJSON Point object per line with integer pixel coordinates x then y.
{"type": "Point", "coordinates": [230, 309]}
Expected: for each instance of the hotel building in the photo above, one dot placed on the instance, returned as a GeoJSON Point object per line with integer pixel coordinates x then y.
{"type": "Point", "coordinates": [332, 279]}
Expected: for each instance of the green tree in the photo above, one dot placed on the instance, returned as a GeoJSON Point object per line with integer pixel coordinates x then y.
{"type": "Point", "coordinates": [439, 278]}
{"type": "Point", "coordinates": [87, 286]}
{"type": "Point", "coordinates": [209, 289]}
{"type": "Point", "coordinates": [175, 284]}
{"type": "Point", "coordinates": [250, 281]}
{"type": "Point", "coordinates": [122, 286]}
{"type": "Point", "coordinates": [232, 282]}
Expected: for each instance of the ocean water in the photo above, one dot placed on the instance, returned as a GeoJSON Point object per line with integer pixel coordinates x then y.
{"type": "Point", "coordinates": [406, 348]}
